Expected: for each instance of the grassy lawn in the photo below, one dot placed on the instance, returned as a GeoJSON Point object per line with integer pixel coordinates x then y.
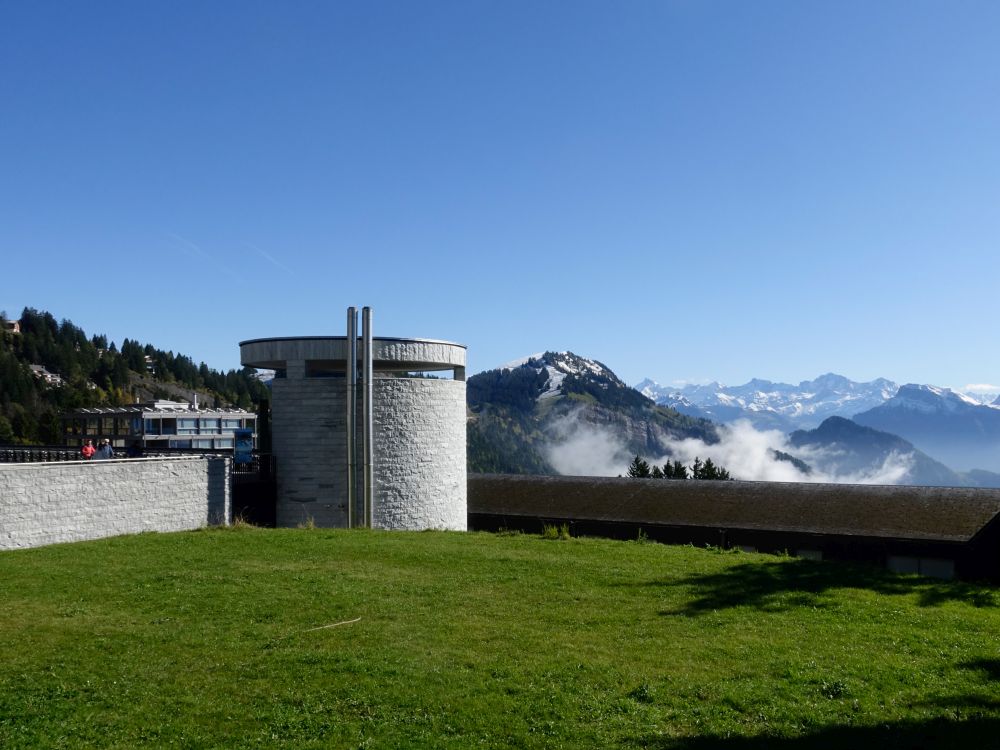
{"type": "Point", "coordinates": [315, 638]}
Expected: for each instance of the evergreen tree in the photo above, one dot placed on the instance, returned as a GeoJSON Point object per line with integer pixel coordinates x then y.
{"type": "Point", "coordinates": [657, 473]}
{"type": "Point", "coordinates": [708, 470]}
{"type": "Point", "coordinates": [679, 471]}
{"type": "Point", "coordinates": [696, 468]}
{"type": "Point", "coordinates": [639, 469]}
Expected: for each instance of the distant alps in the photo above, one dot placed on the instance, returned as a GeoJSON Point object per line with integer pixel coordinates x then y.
{"type": "Point", "coordinates": [955, 428]}
{"type": "Point", "coordinates": [775, 406]}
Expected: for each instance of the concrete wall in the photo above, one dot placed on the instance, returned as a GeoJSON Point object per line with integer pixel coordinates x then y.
{"type": "Point", "coordinates": [420, 474]}
{"type": "Point", "coordinates": [309, 437]}
{"type": "Point", "coordinates": [47, 503]}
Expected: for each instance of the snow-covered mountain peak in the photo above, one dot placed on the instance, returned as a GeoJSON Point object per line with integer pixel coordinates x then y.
{"type": "Point", "coordinates": [775, 405]}
{"type": "Point", "coordinates": [515, 363]}
{"type": "Point", "coordinates": [930, 398]}
{"type": "Point", "coordinates": [560, 365]}
{"type": "Point", "coordinates": [651, 389]}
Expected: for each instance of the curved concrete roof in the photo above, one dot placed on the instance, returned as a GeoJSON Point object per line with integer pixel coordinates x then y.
{"type": "Point", "coordinates": [387, 354]}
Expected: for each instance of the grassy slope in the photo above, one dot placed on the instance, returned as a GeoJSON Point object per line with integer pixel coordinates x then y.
{"type": "Point", "coordinates": [205, 639]}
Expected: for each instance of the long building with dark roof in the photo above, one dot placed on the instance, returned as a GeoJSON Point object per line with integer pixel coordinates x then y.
{"type": "Point", "coordinates": [940, 532]}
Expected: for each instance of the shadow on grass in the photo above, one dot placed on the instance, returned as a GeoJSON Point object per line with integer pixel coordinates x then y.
{"type": "Point", "coordinates": [989, 669]}
{"type": "Point", "coordinates": [781, 584]}
{"type": "Point", "coordinates": [936, 734]}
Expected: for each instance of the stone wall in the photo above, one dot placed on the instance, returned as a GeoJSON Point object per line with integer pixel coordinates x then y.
{"type": "Point", "coordinates": [419, 468]}
{"type": "Point", "coordinates": [419, 462]}
{"type": "Point", "coordinates": [47, 503]}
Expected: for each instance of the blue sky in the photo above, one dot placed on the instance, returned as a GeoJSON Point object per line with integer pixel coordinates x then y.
{"type": "Point", "coordinates": [683, 190]}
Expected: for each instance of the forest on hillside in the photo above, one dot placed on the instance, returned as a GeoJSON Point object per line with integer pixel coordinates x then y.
{"type": "Point", "coordinates": [95, 372]}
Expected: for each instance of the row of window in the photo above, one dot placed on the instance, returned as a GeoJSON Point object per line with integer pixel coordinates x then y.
{"type": "Point", "coordinates": [192, 425]}
{"type": "Point", "coordinates": [154, 426]}
{"type": "Point", "coordinates": [218, 443]}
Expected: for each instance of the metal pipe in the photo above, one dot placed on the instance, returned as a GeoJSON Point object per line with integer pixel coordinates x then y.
{"type": "Point", "coordinates": [367, 427]}
{"type": "Point", "coordinates": [351, 373]}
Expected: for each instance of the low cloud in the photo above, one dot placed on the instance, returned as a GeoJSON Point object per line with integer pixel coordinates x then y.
{"type": "Point", "coordinates": [981, 389]}
{"type": "Point", "coordinates": [578, 448]}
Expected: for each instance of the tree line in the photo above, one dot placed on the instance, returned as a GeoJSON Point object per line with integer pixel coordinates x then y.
{"type": "Point", "coordinates": [640, 469]}
{"type": "Point", "coordinates": [94, 372]}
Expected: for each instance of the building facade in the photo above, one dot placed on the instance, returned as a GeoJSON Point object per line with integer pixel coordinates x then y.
{"type": "Point", "coordinates": [158, 425]}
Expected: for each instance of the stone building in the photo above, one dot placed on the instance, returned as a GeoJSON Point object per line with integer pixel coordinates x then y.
{"type": "Point", "coordinates": [376, 438]}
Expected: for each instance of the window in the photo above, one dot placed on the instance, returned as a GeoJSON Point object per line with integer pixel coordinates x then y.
{"type": "Point", "coordinates": [208, 426]}
{"type": "Point", "coordinates": [187, 426]}
{"type": "Point", "coordinates": [926, 566]}
{"type": "Point", "coordinates": [152, 426]}
{"type": "Point", "coordinates": [202, 443]}
{"type": "Point", "coordinates": [324, 369]}
{"type": "Point", "coordinates": [168, 426]}
{"type": "Point", "coordinates": [230, 424]}
{"type": "Point", "coordinates": [180, 443]}
{"type": "Point", "coordinates": [223, 442]}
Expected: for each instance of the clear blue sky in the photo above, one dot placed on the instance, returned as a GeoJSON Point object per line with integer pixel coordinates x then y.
{"type": "Point", "coordinates": [683, 190]}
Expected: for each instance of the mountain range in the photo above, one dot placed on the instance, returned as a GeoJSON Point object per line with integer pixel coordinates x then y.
{"type": "Point", "coordinates": [952, 427]}
{"type": "Point", "coordinates": [558, 412]}
{"type": "Point", "coordinates": [843, 448]}
{"type": "Point", "coordinates": [770, 405]}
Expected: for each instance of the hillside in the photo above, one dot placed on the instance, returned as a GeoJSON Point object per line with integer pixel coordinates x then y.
{"type": "Point", "coordinates": [48, 367]}
{"type": "Point", "coordinates": [950, 426]}
{"type": "Point", "coordinates": [842, 447]}
{"type": "Point", "coordinates": [250, 638]}
{"type": "Point", "coordinates": [521, 414]}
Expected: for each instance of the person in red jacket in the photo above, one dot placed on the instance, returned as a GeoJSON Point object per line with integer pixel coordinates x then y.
{"type": "Point", "coordinates": [87, 451]}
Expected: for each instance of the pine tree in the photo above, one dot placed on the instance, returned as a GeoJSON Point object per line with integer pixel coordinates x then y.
{"type": "Point", "coordinates": [696, 468]}
{"type": "Point", "coordinates": [708, 471]}
{"type": "Point", "coordinates": [657, 473]}
{"type": "Point", "coordinates": [639, 468]}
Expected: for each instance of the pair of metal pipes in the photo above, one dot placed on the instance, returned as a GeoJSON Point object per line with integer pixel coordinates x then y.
{"type": "Point", "coordinates": [367, 423]}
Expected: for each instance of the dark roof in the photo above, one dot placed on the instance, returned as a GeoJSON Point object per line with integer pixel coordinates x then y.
{"type": "Point", "coordinates": [934, 513]}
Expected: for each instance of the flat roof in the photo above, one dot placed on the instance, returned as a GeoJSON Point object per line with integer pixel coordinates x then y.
{"type": "Point", "coordinates": [344, 338]}
{"type": "Point", "coordinates": [140, 409]}
{"type": "Point", "coordinates": [389, 354]}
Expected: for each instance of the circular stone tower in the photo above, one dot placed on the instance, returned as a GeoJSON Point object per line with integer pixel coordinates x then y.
{"type": "Point", "coordinates": [376, 439]}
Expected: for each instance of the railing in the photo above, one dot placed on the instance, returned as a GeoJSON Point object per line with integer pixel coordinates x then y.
{"type": "Point", "coordinates": [260, 467]}
{"type": "Point", "coordinates": [22, 454]}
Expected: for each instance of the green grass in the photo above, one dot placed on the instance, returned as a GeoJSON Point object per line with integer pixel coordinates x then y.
{"type": "Point", "coordinates": [217, 639]}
